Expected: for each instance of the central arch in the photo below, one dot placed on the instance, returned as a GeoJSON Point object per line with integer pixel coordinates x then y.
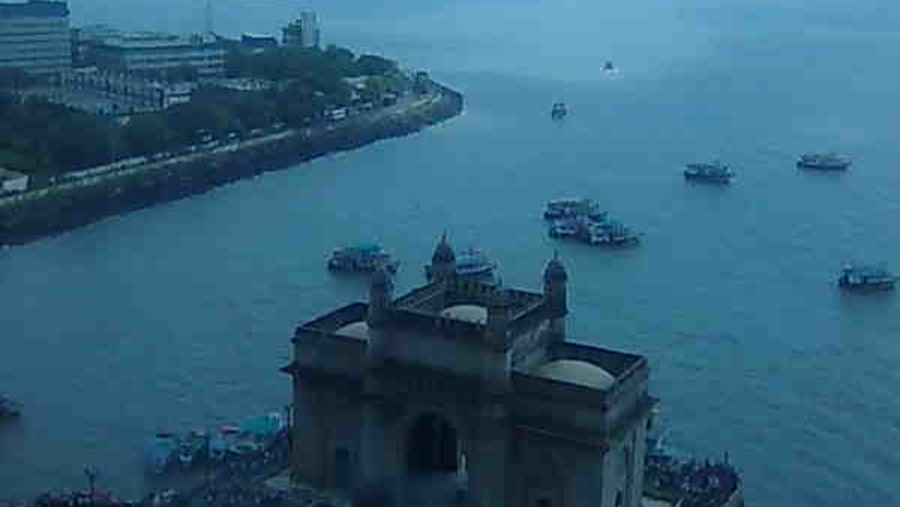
{"type": "Point", "coordinates": [432, 446]}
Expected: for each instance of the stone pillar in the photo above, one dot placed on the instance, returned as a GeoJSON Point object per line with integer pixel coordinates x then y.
{"type": "Point", "coordinates": [555, 297]}
{"type": "Point", "coordinates": [381, 302]}
{"type": "Point", "coordinates": [488, 457]}
{"type": "Point", "coordinates": [374, 463]}
{"type": "Point", "coordinates": [308, 436]}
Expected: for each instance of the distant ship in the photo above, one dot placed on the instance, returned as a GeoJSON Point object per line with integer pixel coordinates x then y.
{"type": "Point", "coordinates": [574, 208]}
{"type": "Point", "coordinates": [714, 172]}
{"type": "Point", "coordinates": [470, 263]}
{"type": "Point", "coordinates": [823, 162]}
{"type": "Point", "coordinates": [362, 258]}
{"type": "Point", "coordinates": [9, 408]}
{"type": "Point", "coordinates": [558, 111]}
{"type": "Point", "coordinates": [866, 278]}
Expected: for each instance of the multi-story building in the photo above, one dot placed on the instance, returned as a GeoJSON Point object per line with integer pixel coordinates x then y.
{"type": "Point", "coordinates": [304, 31]}
{"type": "Point", "coordinates": [159, 54]}
{"type": "Point", "coordinates": [34, 36]}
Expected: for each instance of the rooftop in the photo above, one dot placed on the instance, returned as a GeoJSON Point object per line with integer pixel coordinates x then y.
{"type": "Point", "coordinates": [156, 40]}
{"type": "Point", "coordinates": [34, 9]}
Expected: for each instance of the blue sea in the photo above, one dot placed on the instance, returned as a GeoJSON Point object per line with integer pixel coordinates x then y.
{"type": "Point", "coordinates": [179, 316]}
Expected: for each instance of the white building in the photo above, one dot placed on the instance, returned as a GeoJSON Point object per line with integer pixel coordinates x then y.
{"type": "Point", "coordinates": [34, 36]}
{"type": "Point", "coordinates": [11, 181]}
{"type": "Point", "coordinates": [304, 31]}
{"type": "Point", "coordinates": [160, 53]}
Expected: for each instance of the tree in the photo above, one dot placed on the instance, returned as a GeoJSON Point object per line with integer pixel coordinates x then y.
{"type": "Point", "coordinates": [373, 65]}
{"type": "Point", "coordinates": [145, 134]}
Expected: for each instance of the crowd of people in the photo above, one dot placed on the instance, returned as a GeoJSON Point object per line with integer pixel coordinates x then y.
{"type": "Point", "coordinates": [235, 481]}
{"type": "Point", "coordinates": [694, 483]}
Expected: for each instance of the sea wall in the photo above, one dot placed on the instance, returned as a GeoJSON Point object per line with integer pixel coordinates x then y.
{"type": "Point", "coordinates": [35, 215]}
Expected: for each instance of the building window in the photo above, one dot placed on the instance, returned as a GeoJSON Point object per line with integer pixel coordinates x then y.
{"type": "Point", "coordinates": [544, 502]}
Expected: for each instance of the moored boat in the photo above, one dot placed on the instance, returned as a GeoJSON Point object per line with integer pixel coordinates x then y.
{"type": "Point", "coordinates": [574, 208]}
{"type": "Point", "coordinates": [612, 233]}
{"type": "Point", "coordinates": [9, 408]}
{"type": "Point", "coordinates": [866, 278]}
{"type": "Point", "coordinates": [362, 258]}
{"type": "Point", "coordinates": [823, 162]}
{"type": "Point", "coordinates": [566, 228]}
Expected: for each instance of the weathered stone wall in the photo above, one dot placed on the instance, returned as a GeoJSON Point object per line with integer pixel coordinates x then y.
{"type": "Point", "coordinates": [64, 209]}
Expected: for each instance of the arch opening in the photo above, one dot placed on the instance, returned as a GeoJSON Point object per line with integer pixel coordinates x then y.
{"type": "Point", "coordinates": [432, 446]}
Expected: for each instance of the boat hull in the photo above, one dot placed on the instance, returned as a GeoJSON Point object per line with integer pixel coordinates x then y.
{"type": "Point", "coordinates": [866, 287]}
{"type": "Point", "coordinates": [716, 180]}
{"type": "Point", "coordinates": [823, 167]}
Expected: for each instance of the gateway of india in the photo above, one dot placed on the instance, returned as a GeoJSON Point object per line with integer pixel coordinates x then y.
{"type": "Point", "coordinates": [470, 380]}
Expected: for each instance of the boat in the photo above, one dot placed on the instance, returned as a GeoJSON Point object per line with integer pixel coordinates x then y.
{"type": "Point", "coordinates": [362, 258]}
{"type": "Point", "coordinates": [192, 448]}
{"type": "Point", "coordinates": [9, 408]}
{"type": "Point", "coordinates": [558, 111]}
{"type": "Point", "coordinates": [471, 263]}
{"type": "Point", "coordinates": [709, 172]}
{"type": "Point", "coordinates": [574, 208]}
{"type": "Point", "coordinates": [823, 162]}
{"type": "Point", "coordinates": [567, 228]}
{"type": "Point", "coordinates": [161, 452]}
{"type": "Point", "coordinates": [612, 233]}
{"type": "Point", "coordinates": [866, 278]}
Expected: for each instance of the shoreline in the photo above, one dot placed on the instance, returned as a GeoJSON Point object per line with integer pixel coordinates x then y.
{"type": "Point", "coordinates": [41, 213]}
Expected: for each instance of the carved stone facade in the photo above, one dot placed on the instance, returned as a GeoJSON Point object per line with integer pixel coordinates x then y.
{"type": "Point", "coordinates": [459, 377]}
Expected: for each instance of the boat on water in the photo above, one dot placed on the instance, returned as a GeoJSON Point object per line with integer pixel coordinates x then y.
{"type": "Point", "coordinates": [161, 452]}
{"type": "Point", "coordinates": [611, 233]}
{"type": "Point", "coordinates": [9, 408]}
{"type": "Point", "coordinates": [866, 278]}
{"type": "Point", "coordinates": [574, 208]}
{"type": "Point", "coordinates": [559, 111]}
{"type": "Point", "coordinates": [169, 451]}
{"type": "Point", "coordinates": [823, 162]}
{"type": "Point", "coordinates": [709, 172]}
{"type": "Point", "coordinates": [565, 228]}
{"type": "Point", "coordinates": [470, 263]}
{"type": "Point", "coordinates": [361, 258]}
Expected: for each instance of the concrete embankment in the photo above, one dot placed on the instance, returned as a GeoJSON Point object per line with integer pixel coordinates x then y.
{"type": "Point", "coordinates": [37, 214]}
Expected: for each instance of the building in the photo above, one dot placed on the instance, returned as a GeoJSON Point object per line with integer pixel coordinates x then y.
{"type": "Point", "coordinates": [159, 54]}
{"type": "Point", "coordinates": [34, 36]}
{"type": "Point", "coordinates": [471, 385]}
{"type": "Point", "coordinates": [304, 31]}
{"type": "Point", "coordinates": [256, 42]}
{"type": "Point", "coordinates": [84, 38]}
{"type": "Point", "coordinates": [111, 92]}
{"type": "Point", "coordinates": [11, 181]}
